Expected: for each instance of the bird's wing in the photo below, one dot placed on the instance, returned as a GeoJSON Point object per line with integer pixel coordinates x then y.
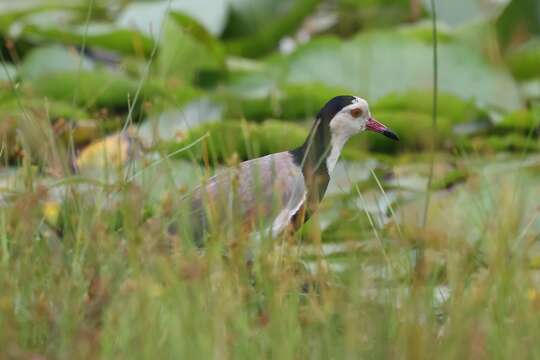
{"type": "Point", "coordinates": [279, 186]}
{"type": "Point", "coordinates": [267, 190]}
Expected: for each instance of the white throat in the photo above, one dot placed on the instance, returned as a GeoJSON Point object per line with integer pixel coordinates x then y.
{"type": "Point", "coordinates": [344, 125]}
{"type": "Point", "coordinates": [336, 145]}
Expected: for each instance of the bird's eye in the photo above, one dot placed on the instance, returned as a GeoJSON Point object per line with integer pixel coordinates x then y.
{"type": "Point", "coordinates": [356, 112]}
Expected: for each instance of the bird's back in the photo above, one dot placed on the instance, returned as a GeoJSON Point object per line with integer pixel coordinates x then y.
{"type": "Point", "coordinates": [263, 193]}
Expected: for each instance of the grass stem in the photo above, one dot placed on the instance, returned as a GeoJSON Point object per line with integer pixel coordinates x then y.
{"type": "Point", "coordinates": [434, 112]}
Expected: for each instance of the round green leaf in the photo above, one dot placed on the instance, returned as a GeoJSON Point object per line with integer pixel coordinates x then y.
{"type": "Point", "coordinates": [374, 64]}
{"type": "Point", "coordinates": [52, 59]}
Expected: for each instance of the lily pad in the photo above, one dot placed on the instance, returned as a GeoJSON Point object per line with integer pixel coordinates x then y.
{"type": "Point", "coordinates": [147, 16]}
{"type": "Point", "coordinates": [8, 73]}
{"type": "Point", "coordinates": [530, 90]}
{"type": "Point", "coordinates": [250, 139]}
{"type": "Point", "coordinates": [375, 64]}
{"type": "Point", "coordinates": [247, 17]}
{"type": "Point", "coordinates": [519, 22]}
{"type": "Point", "coordinates": [256, 27]}
{"type": "Point", "coordinates": [221, 140]}
{"type": "Point", "coordinates": [188, 49]}
{"type": "Point", "coordinates": [52, 59]}
{"type": "Point", "coordinates": [460, 12]}
{"type": "Point", "coordinates": [254, 84]}
{"type": "Point", "coordinates": [450, 179]}
{"type": "Point", "coordinates": [413, 129]}
{"type": "Point", "coordinates": [101, 35]}
{"type": "Point", "coordinates": [173, 123]}
{"type": "Point", "coordinates": [449, 106]}
{"type": "Point", "coordinates": [423, 31]}
{"type": "Point", "coordinates": [525, 60]}
{"type": "Point", "coordinates": [92, 89]}
{"type": "Point", "coordinates": [522, 121]}
{"type": "Point", "coordinates": [244, 139]}
{"type": "Point", "coordinates": [513, 142]}
{"type": "Point", "coordinates": [269, 136]}
{"type": "Point", "coordinates": [288, 102]}
{"type": "Point", "coordinates": [43, 108]}
{"type": "Point", "coordinates": [36, 11]}
{"type": "Point", "coordinates": [362, 14]}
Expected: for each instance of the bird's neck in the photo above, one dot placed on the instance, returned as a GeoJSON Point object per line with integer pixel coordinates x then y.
{"type": "Point", "coordinates": [337, 141]}
{"type": "Point", "coordinates": [314, 152]}
{"type": "Point", "coordinates": [321, 150]}
{"type": "Point", "coordinates": [317, 157]}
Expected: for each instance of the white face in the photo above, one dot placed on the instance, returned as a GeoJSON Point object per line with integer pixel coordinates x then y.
{"type": "Point", "coordinates": [351, 120]}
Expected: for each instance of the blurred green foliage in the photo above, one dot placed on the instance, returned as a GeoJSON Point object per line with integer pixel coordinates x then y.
{"type": "Point", "coordinates": [137, 55]}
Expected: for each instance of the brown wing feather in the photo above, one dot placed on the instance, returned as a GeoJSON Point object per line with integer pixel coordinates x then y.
{"type": "Point", "coordinates": [257, 192]}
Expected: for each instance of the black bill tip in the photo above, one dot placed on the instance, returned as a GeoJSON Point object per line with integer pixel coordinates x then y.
{"type": "Point", "coordinates": [392, 135]}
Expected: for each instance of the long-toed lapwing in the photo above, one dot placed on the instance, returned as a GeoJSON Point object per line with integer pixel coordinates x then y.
{"type": "Point", "coordinates": [276, 190]}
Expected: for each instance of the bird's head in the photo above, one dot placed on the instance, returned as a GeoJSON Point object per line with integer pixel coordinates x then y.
{"type": "Point", "coordinates": [348, 115]}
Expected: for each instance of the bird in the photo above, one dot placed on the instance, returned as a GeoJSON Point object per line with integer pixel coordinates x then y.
{"type": "Point", "coordinates": [279, 190]}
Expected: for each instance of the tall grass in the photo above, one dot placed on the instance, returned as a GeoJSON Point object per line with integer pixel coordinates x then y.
{"type": "Point", "coordinates": [434, 107]}
{"type": "Point", "coordinates": [104, 280]}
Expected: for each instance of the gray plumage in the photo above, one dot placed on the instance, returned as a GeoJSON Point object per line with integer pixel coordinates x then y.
{"type": "Point", "coordinates": [263, 194]}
